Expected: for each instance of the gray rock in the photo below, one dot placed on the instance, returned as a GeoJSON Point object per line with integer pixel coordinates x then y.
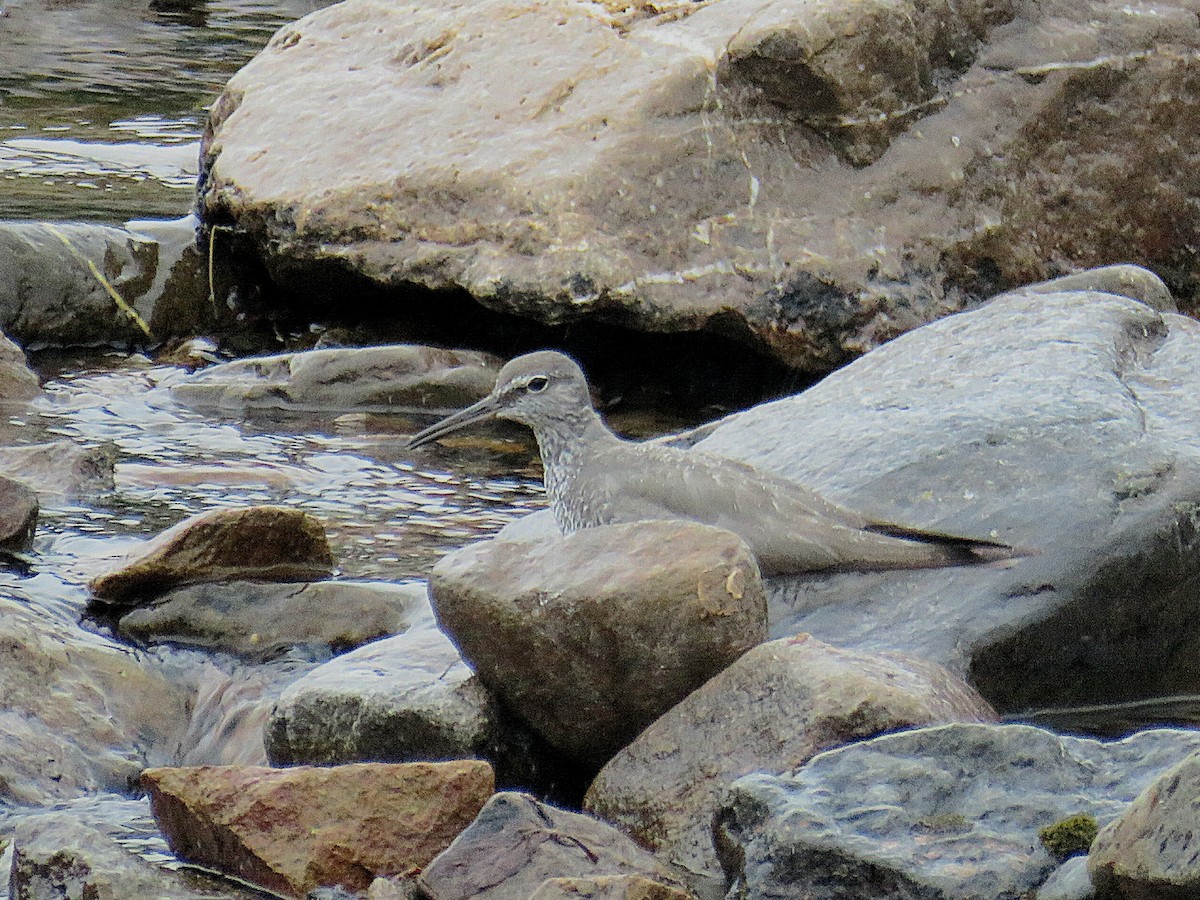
{"type": "Point", "coordinates": [17, 382]}
{"type": "Point", "coordinates": [1151, 850]}
{"type": "Point", "coordinates": [1062, 423]}
{"type": "Point", "coordinates": [951, 812]}
{"type": "Point", "coordinates": [812, 178]}
{"type": "Point", "coordinates": [18, 515]}
{"type": "Point", "coordinates": [607, 887]}
{"type": "Point", "coordinates": [1070, 881]}
{"type": "Point", "coordinates": [58, 856]}
{"type": "Point", "coordinates": [257, 620]}
{"type": "Point", "coordinates": [61, 468]}
{"type": "Point", "coordinates": [516, 843]}
{"type": "Point", "coordinates": [590, 637]}
{"type": "Point", "coordinates": [770, 711]}
{"type": "Point", "coordinates": [400, 376]}
{"type": "Point", "coordinates": [50, 295]}
{"type": "Point", "coordinates": [267, 543]}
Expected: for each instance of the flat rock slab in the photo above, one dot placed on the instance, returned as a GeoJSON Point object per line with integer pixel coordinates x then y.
{"type": "Point", "coordinates": [293, 830]}
{"type": "Point", "coordinates": [516, 843]}
{"type": "Point", "coordinates": [590, 637]}
{"type": "Point", "coordinates": [259, 620]}
{"type": "Point", "coordinates": [401, 376]}
{"type": "Point", "coordinates": [264, 543]}
{"type": "Point", "coordinates": [951, 812]}
{"type": "Point", "coordinates": [607, 887]}
{"type": "Point", "coordinates": [816, 178]}
{"type": "Point", "coordinates": [770, 711]}
{"type": "Point", "coordinates": [1151, 850]}
{"type": "Point", "coordinates": [1064, 423]}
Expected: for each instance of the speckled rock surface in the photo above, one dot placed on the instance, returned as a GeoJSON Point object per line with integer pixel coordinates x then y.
{"type": "Point", "coordinates": [949, 812]}
{"type": "Point", "coordinates": [817, 178]}
{"type": "Point", "coordinates": [590, 637]}
{"type": "Point", "coordinates": [1151, 850]}
{"type": "Point", "coordinates": [771, 711]}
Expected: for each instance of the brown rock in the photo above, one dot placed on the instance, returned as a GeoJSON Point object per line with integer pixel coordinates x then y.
{"type": "Point", "coordinates": [292, 830]}
{"type": "Point", "coordinates": [516, 843]}
{"type": "Point", "coordinates": [590, 637]}
{"type": "Point", "coordinates": [61, 468]}
{"type": "Point", "coordinates": [1150, 852]}
{"type": "Point", "coordinates": [18, 514]}
{"type": "Point", "coordinates": [17, 382]}
{"type": "Point", "coordinates": [607, 887]}
{"type": "Point", "coordinates": [771, 711]}
{"type": "Point", "coordinates": [266, 543]}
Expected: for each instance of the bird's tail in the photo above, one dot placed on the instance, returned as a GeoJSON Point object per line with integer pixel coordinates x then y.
{"type": "Point", "coordinates": [959, 550]}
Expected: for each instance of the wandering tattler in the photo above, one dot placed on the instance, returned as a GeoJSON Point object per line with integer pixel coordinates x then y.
{"type": "Point", "coordinates": [594, 478]}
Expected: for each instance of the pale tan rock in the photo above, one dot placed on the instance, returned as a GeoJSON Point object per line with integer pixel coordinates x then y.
{"type": "Point", "coordinates": [590, 637]}
{"type": "Point", "coordinates": [17, 382]}
{"type": "Point", "coordinates": [771, 711]}
{"type": "Point", "coordinates": [267, 543]}
{"type": "Point", "coordinates": [61, 468]}
{"type": "Point", "coordinates": [292, 830]}
{"type": "Point", "coordinates": [607, 887]}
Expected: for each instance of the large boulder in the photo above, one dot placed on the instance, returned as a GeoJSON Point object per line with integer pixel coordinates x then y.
{"type": "Point", "coordinates": [771, 711]}
{"type": "Point", "coordinates": [590, 637]}
{"type": "Point", "coordinates": [814, 178]}
{"type": "Point", "coordinates": [950, 812]}
{"type": "Point", "coordinates": [1063, 423]}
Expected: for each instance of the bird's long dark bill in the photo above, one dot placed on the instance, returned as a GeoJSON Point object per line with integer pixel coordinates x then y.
{"type": "Point", "coordinates": [478, 412]}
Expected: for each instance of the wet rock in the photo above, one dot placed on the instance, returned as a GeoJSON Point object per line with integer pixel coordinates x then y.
{"type": "Point", "coordinates": [17, 382]}
{"type": "Point", "coordinates": [516, 843]}
{"type": "Point", "coordinates": [50, 293]}
{"type": "Point", "coordinates": [952, 811]}
{"type": "Point", "coordinates": [1070, 881]}
{"type": "Point", "coordinates": [590, 637]}
{"type": "Point", "coordinates": [607, 887]}
{"type": "Point", "coordinates": [817, 177]}
{"type": "Point", "coordinates": [1151, 849]}
{"type": "Point", "coordinates": [771, 711]}
{"type": "Point", "coordinates": [80, 714]}
{"type": "Point", "coordinates": [18, 515]}
{"type": "Point", "coordinates": [267, 543]}
{"type": "Point", "coordinates": [404, 376]}
{"type": "Point", "coordinates": [1060, 423]}
{"type": "Point", "coordinates": [258, 620]}
{"type": "Point", "coordinates": [404, 698]}
{"type": "Point", "coordinates": [61, 468]}
{"type": "Point", "coordinates": [55, 855]}
{"type": "Point", "coordinates": [339, 826]}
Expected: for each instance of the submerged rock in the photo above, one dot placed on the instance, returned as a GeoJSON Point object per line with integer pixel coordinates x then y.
{"type": "Point", "coordinates": [61, 468]}
{"type": "Point", "coordinates": [952, 811]}
{"type": "Point", "coordinates": [400, 376]}
{"type": "Point", "coordinates": [516, 843]}
{"type": "Point", "coordinates": [1063, 423]}
{"type": "Point", "coordinates": [293, 830]}
{"type": "Point", "coordinates": [770, 711]}
{"type": "Point", "coordinates": [267, 543]}
{"type": "Point", "coordinates": [816, 178]}
{"type": "Point", "coordinates": [590, 637]}
{"type": "Point", "coordinates": [1151, 850]}
{"type": "Point", "coordinates": [258, 620]}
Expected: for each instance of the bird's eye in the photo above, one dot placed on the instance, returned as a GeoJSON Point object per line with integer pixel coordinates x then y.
{"type": "Point", "coordinates": [537, 384]}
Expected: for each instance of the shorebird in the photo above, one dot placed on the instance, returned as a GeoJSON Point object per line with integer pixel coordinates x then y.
{"type": "Point", "coordinates": [594, 477]}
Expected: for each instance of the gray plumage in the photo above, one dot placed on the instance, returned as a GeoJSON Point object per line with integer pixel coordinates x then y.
{"type": "Point", "coordinates": [594, 478]}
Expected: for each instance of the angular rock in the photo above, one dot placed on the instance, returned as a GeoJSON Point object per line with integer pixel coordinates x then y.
{"type": "Point", "coordinates": [1070, 881]}
{"type": "Point", "coordinates": [81, 714]}
{"type": "Point", "coordinates": [516, 843]}
{"type": "Point", "coordinates": [17, 382]}
{"type": "Point", "coordinates": [590, 637]}
{"type": "Point", "coordinates": [1151, 849]}
{"type": "Point", "coordinates": [18, 515]}
{"type": "Point", "coordinates": [61, 468]}
{"type": "Point", "coordinates": [1058, 422]}
{"type": "Point", "coordinates": [400, 376]}
{"type": "Point", "coordinates": [293, 830]}
{"type": "Point", "coordinates": [814, 177]}
{"type": "Point", "coordinates": [55, 855]}
{"type": "Point", "coordinates": [258, 620]}
{"type": "Point", "coordinates": [950, 812]}
{"type": "Point", "coordinates": [607, 887]}
{"type": "Point", "coordinates": [770, 711]}
{"type": "Point", "coordinates": [266, 543]}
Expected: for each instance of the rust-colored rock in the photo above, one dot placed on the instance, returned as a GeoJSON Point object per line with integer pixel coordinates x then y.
{"type": "Point", "coordinates": [293, 830]}
{"type": "Point", "coordinates": [252, 543]}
